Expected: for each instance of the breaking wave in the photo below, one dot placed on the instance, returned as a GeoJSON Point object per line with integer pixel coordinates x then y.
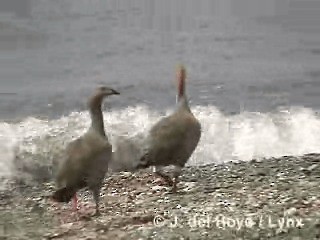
{"type": "Point", "coordinates": [33, 146]}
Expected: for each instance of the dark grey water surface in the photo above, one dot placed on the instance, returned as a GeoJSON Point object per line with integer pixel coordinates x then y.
{"type": "Point", "coordinates": [249, 54]}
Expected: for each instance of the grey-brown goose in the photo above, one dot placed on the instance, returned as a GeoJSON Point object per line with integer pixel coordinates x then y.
{"type": "Point", "coordinates": [86, 158]}
{"type": "Point", "coordinates": [173, 139]}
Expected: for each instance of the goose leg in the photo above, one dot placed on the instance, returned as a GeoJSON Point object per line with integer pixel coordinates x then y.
{"type": "Point", "coordinates": [75, 202]}
{"type": "Point", "coordinates": [96, 196]}
{"type": "Point", "coordinates": [176, 173]}
{"type": "Point", "coordinates": [174, 187]}
{"type": "Point", "coordinates": [158, 172]}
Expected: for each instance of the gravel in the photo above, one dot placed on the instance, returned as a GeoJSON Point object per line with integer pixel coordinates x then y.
{"type": "Point", "coordinates": [276, 198]}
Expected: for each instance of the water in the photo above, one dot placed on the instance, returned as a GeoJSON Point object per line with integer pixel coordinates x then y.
{"type": "Point", "coordinates": [253, 74]}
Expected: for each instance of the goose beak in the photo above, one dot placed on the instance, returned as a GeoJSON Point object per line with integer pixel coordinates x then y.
{"type": "Point", "coordinates": [115, 92]}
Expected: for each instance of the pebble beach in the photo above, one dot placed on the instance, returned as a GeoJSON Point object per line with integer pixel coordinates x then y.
{"type": "Point", "coordinates": [276, 198]}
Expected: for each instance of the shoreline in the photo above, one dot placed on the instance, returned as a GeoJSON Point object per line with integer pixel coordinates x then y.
{"type": "Point", "coordinates": [276, 198]}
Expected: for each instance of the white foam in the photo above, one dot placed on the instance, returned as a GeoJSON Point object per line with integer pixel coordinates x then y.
{"type": "Point", "coordinates": [224, 137]}
{"type": "Point", "coordinates": [8, 147]}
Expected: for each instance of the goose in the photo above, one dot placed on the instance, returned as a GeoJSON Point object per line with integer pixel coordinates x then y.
{"type": "Point", "coordinates": [86, 158]}
{"type": "Point", "coordinates": [173, 139]}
